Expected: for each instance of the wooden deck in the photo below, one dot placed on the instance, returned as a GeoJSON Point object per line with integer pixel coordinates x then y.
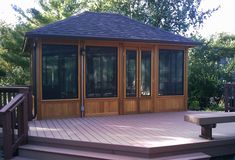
{"type": "Point", "coordinates": [141, 135]}
{"type": "Point", "coordinates": [144, 130]}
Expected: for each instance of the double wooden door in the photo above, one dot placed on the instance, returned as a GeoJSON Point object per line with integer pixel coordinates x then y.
{"type": "Point", "coordinates": [138, 80]}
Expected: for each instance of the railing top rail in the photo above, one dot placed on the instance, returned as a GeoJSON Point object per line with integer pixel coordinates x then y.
{"type": "Point", "coordinates": [19, 98]}
{"type": "Point", "coordinates": [14, 87]}
{"type": "Point", "coordinates": [229, 84]}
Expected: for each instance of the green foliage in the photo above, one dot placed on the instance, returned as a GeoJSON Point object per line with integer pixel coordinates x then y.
{"type": "Point", "coordinates": [11, 56]}
{"type": "Point", "coordinates": [48, 12]}
{"type": "Point", "coordinates": [194, 105]}
{"type": "Point", "coordinates": [171, 15]}
{"type": "Point", "coordinates": [14, 69]}
{"type": "Point", "coordinates": [15, 75]}
{"type": "Point", "coordinates": [216, 107]}
{"type": "Point", "coordinates": [174, 15]}
{"type": "Point", "coordinates": [210, 66]}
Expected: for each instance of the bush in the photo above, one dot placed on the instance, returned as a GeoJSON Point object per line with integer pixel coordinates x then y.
{"type": "Point", "coordinates": [216, 107]}
{"type": "Point", "coordinates": [194, 105]}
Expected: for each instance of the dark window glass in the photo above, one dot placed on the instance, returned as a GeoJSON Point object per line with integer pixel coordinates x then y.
{"type": "Point", "coordinates": [59, 71]}
{"type": "Point", "coordinates": [171, 72]}
{"type": "Point", "coordinates": [101, 72]}
{"type": "Point", "coordinates": [130, 73]}
{"type": "Point", "coordinates": [146, 73]}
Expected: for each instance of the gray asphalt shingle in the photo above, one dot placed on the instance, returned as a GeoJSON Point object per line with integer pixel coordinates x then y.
{"type": "Point", "coordinates": [107, 26]}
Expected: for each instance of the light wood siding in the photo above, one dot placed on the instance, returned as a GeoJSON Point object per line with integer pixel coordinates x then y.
{"type": "Point", "coordinates": [146, 105]}
{"type": "Point", "coordinates": [60, 109]}
{"type": "Point", "coordinates": [169, 103]}
{"type": "Point", "coordinates": [98, 107]}
{"type": "Point", "coordinates": [130, 106]}
{"type": "Point", "coordinates": [116, 105]}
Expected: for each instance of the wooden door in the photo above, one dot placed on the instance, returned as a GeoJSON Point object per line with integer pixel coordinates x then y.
{"type": "Point", "coordinates": [137, 81]}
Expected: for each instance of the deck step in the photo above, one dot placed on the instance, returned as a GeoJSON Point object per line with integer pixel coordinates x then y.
{"type": "Point", "coordinates": [50, 153]}
{"type": "Point", "coordinates": [191, 156]}
{"type": "Point", "coordinates": [28, 152]}
{"type": "Point", "coordinates": [21, 158]}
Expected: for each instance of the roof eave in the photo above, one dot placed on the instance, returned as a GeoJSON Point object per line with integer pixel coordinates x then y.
{"type": "Point", "coordinates": [189, 44]}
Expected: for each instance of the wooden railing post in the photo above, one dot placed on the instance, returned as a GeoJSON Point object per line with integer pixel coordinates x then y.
{"type": "Point", "coordinates": [226, 97]}
{"type": "Point", "coordinates": [26, 117]}
{"type": "Point", "coordinates": [229, 97]}
{"type": "Point", "coordinates": [7, 135]}
{"type": "Point", "coordinates": [28, 96]}
{"type": "Point", "coordinates": [14, 116]}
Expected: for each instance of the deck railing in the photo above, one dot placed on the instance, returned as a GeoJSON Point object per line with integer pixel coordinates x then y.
{"type": "Point", "coordinates": [14, 118]}
{"type": "Point", "coordinates": [8, 93]}
{"type": "Point", "coordinates": [229, 97]}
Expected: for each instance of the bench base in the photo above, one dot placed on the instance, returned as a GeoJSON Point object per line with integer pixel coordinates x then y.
{"type": "Point", "coordinates": [206, 131]}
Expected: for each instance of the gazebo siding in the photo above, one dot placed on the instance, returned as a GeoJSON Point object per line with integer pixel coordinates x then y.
{"type": "Point", "coordinates": [58, 108]}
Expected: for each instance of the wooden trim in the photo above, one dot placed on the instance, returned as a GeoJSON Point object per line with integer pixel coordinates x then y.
{"type": "Point", "coordinates": [120, 78]}
{"type": "Point", "coordinates": [114, 42]}
{"type": "Point", "coordinates": [59, 41]}
{"type": "Point", "coordinates": [102, 99]}
{"type": "Point", "coordinates": [136, 70]}
{"type": "Point", "coordinates": [157, 70]}
{"type": "Point", "coordinates": [186, 79]}
{"type": "Point", "coordinates": [39, 74]}
{"type": "Point", "coordinates": [171, 47]}
{"type": "Point", "coordinates": [59, 100]}
{"type": "Point", "coordinates": [101, 43]}
{"type": "Point", "coordinates": [171, 96]}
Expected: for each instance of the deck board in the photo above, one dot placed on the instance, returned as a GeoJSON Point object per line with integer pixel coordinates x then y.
{"type": "Point", "coordinates": [145, 130]}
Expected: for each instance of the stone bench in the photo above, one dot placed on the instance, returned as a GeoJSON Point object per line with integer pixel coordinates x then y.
{"type": "Point", "coordinates": [207, 121]}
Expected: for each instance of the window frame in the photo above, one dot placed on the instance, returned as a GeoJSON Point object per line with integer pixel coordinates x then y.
{"type": "Point", "coordinates": [77, 69]}
{"type": "Point", "coordinates": [172, 50]}
{"type": "Point", "coordinates": [132, 49]}
{"type": "Point", "coordinates": [151, 70]}
{"type": "Point", "coordinates": [117, 70]}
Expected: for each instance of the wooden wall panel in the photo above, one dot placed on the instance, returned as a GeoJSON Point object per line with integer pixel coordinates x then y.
{"type": "Point", "coordinates": [120, 104]}
{"type": "Point", "coordinates": [130, 106]}
{"type": "Point", "coordinates": [169, 103]}
{"type": "Point", "coordinates": [101, 107]}
{"type": "Point", "coordinates": [60, 109]}
{"type": "Point", "coordinates": [146, 105]}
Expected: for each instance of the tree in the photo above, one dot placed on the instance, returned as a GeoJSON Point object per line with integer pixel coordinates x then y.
{"type": "Point", "coordinates": [210, 66]}
{"type": "Point", "coordinates": [14, 64]}
{"type": "Point", "coordinates": [172, 15]}
{"type": "Point", "coordinates": [48, 12]}
{"type": "Point", "coordinates": [14, 69]}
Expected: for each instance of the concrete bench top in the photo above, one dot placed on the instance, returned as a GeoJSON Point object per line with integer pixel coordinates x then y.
{"type": "Point", "coordinates": [210, 118]}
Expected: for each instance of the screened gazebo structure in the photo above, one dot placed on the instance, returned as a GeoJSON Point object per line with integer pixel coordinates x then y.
{"type": "Point", "coordinates": [106, 64]}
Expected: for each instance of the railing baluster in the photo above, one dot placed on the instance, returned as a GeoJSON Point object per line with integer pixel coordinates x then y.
{"type": "Point", "coordinates": [1, 105]}
{"type": "Point", "coordinates": [4, 98]}
{"type": "Point", "coordinates": [8, 97]}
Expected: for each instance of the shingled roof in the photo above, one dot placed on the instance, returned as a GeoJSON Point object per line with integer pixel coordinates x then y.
{"type": "Point", "coordinates": [107, 26]}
